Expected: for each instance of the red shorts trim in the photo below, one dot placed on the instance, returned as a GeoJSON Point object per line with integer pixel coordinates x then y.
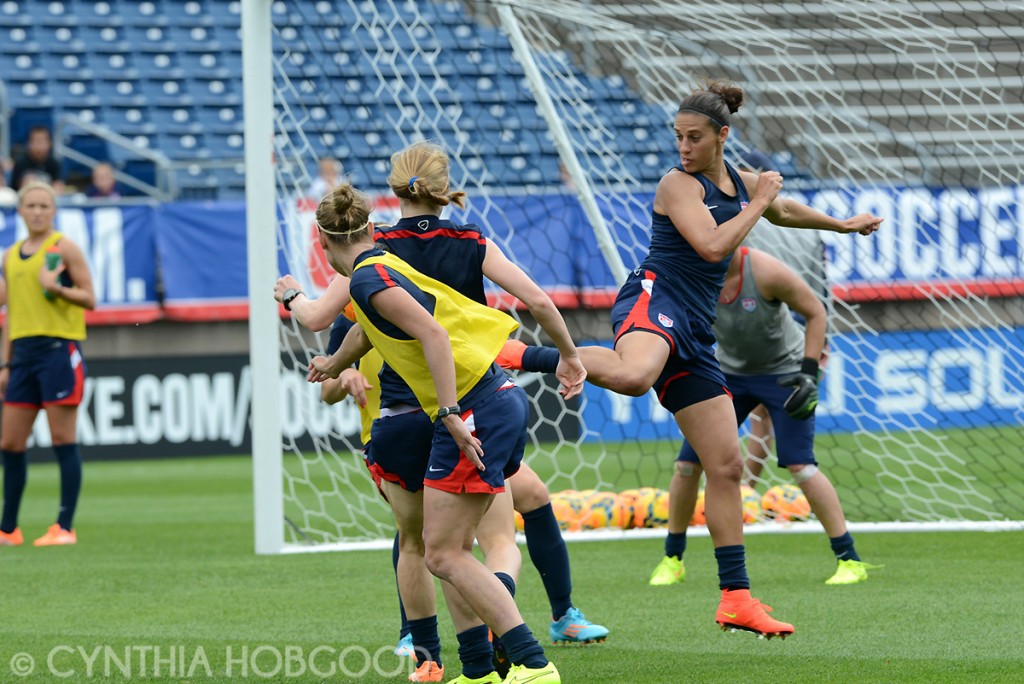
{"type": "Point", "coordinates": [75, 398]}
{"type": "Point", "coordinates": [639, 317]}
{"type": "Point", "coordinates": [464, 477]}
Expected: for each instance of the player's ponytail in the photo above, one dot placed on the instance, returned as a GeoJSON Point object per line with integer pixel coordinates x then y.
{"type": "Point", "coordinates": [420, 172]}
{"type": "Point", "coordinates": [717, 101]}
{"type": "Point", "coordinates": [344, 215]}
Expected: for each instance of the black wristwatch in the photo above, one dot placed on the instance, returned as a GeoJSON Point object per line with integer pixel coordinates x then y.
{"type": "Point", "coordinates": [449, 411]}
{"type": "Point", "coordinates": [289, 294]}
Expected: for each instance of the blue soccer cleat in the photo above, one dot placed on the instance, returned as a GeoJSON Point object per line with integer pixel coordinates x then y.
{"type": "Point", "coordinates": [405, 647]}
{"type": "Point", "coordinates": [574, 628]}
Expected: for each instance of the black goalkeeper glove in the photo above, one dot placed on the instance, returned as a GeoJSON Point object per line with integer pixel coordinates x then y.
{"type": "Point", "coordinates": [804, 399]}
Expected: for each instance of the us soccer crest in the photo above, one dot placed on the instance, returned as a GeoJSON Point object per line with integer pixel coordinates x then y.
{"type": "Point", "coordinates": [664, 320]}
{"type": "Point", "coordinates": [749, 304]}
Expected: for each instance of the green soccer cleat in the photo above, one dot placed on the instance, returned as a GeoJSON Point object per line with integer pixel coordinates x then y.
{"type": "Point", "coordinates": [491, 678]}
{"type": "Point", "coordinates": [851, 572]}
{"type": "Point", "coordinates": [520, 674]}
{"type": "Point", "coordinates": [574, 628]}
{"type": "Point", "coordinates": [670, 570]}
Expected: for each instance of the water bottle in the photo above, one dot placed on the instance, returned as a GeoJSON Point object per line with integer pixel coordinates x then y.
{"type": "Point", "coordinates": [52, 264]}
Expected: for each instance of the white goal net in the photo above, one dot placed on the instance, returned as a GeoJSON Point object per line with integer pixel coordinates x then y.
{"type": "Point", "coordinates": [557, 117]}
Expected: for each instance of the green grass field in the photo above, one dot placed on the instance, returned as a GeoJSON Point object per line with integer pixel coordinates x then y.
{"type": "Point", "coordinates": [165, 560]}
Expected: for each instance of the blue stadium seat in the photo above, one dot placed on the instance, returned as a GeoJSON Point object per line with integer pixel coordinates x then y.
{"type": "Point", "coordinates": [18, 40]}
{"type": "Point", "coordinates": [175, 120]}
{"type": "Point", "coordinates": [91, 13]}
{"type": "Point", "coordinates": [194, 13]}
{"type": "Point", "coordinates": [11, 16]}
{"type": "Point", "coordinates": [128, 121]}
{"type": "Point", "coordinates": [145, 13]}
{"type": "Point", "coordinates": [196, 182]}
{"type": "Point", "coordinates": [72, 91]}
{"type": "Point", "coordinates": [184, 147]}
{"type": "Point", "coordinates": [104, 37]}
{"type": "Point", "coordinates": [119, 92]}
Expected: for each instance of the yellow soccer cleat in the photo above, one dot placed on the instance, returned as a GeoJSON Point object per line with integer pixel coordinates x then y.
{"type": "Point", "coordinates": [57, 536]}
{"type": "Point", "coordinates": [670, 570]}
{"type": "Point", "coordinates": [12, 538]}
{"type": "Point", "coordinates": [520, 674]}
{"type": "Point", "coordinates": [491, 678]}
{"type": "Point", "coordinates": [851, 572]}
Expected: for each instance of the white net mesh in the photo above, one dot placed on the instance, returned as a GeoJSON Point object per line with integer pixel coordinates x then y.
{"type": "Point", "coordinates": [908, 110]}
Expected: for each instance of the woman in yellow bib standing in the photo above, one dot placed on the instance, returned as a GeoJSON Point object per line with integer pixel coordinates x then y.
{"type": "Point", "coordinates": [49, 287]}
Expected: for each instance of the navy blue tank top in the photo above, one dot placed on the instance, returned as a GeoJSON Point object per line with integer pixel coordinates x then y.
{"type": "Point", "coordinates": [697, 281]}
{"type": "Point", "coordinates": [444, 251]}
{"type": "Point", "coordinates": [440, 249]}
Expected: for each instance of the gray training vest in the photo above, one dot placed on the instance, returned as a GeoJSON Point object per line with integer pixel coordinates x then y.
{"type": "Point", "coordinates": [755, 336]}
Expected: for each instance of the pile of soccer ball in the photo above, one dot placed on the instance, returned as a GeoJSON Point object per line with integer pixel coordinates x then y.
{"type": "Point", "coordinates": [648, 507]}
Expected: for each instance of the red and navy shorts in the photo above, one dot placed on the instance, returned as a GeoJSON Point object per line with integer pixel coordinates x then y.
{"type": "Point", "coordinates": [400, 442]}
{"type": "Point", "coordinates": [499, 422]}
{"type": "Point", "coordinates": [692, 373]}
{"type": "Point", "coordinates": [45, 371]}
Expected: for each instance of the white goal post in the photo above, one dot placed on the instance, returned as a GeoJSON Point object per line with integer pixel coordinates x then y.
{"type": "Point", "coordinates": [557, 116]}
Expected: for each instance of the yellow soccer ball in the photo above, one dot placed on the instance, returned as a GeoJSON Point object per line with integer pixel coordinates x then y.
{"type": "Point", "coordinates": [751, 504]}
{"type": "Point", "coordinates": [698, 511]}
{"type": "Point", "coordinates": [785, 503]}
{"type": "Point", "coordinates": [601, 510]}
{"type": "Point", "coordinates": [567, 507]}
{"type": "Point", "coordinates": [627, 507]}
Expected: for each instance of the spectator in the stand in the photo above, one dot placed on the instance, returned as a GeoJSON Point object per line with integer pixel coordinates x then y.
{"type": "Point", "coordinates": [328, 178]}
{"type": "Point", "coordinates": [38, 162]}
{"type": "Point", "coordinates": [104, 184]}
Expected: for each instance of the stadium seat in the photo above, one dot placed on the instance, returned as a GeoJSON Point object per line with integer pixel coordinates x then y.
{"type": "Point", "coordinates": [144, 14]}
{"type": "Point", "coordinates": [128, 121]}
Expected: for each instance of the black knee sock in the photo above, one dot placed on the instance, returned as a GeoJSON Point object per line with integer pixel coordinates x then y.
{"type": "Point", "coordinates": [15, 477]}
{"type": "Point", "coordinates": [675, 544]}
{"type": "Point", "coordinates": [507, 580]}
{"type": "Point", "coordinates": [70, 461]}
{"type": "Point", "coordinates": [426, 640]}
{"type": "Point", "coordinates": [732, 567]}
{"type": "Point", "coordinates": [401, 606]}
{"type": "Point", "coordinates": [842, 546]}
{"type": "Point", "coordinates": [523, 648]}
{"type": "Point", "coordinates": [550, 557]}
{"type": "Point", "coordinates": [475, 652]}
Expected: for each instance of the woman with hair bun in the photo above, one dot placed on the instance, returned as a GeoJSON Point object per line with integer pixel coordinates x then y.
{"type": "Point", "coordinates": [703, 209]}
{"type": "Point", "coordinates": [439, 348]}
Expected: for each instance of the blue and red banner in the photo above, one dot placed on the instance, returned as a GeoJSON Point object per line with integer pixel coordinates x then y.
{"type": "Point", "coordinates": [926, 379]}
{"type": "Point", "coordinates": [935, 242]}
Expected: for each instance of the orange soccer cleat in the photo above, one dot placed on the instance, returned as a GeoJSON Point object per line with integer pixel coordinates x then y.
{"type": "Point", "coordinates": [429, 671]}
{"type": "Point", "coordinates": [12, 538]}
{"type": "Point", "coordinates": [739, 610]}
{"type": "Point", "coordinates": [57, 536]}
{"type": "Point", "coordinates": [511, 355]}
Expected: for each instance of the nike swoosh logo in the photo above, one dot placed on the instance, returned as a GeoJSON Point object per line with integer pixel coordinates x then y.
{"type": "Point", "coordinates": [711, 206]}
{"type": "Point", "coordinates": [533, 677]}
{"type": "Point", "coordinates": [731, 616]}
{"type": "Point", "coordinates": [435, 470]}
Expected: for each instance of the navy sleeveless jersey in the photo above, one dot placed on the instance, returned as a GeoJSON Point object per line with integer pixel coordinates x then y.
{"type": "Point", "coordinates": [698, 282]}
{"type": "Point", "coordinates": [440, 249]}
